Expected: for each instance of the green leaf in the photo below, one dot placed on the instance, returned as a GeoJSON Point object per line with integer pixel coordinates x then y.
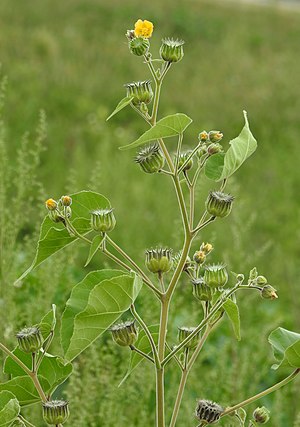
{"type": "Point", "coordinates": [142, 344]}
{"type": "Point", "coordinates": [9, 408]}
{"type": "Point", "coordinates": [122, 104]}
{"type": "Point", "coordinates": [95, 304]}
{"type": "Point", "coordinates": [168, 126]}
{"type": "Point", "coordinates": [240, 149]}
{"type": "Point", "coordinates": [53, 369]}
{"type": "Point", "coordinates": [54, 236]}
{"type": "Point", "coordinates": [24, 389]}
{"type": "Point", "coordinates": [48, 322]}
{"type": "Point", "coordinates": [232, 311]}
{"type": "Point", "coordinates": [214, 166]}
{"type": "Point", "coordinates": [286, 347]}
{"type": "Point", "coordinates": [96, 244]}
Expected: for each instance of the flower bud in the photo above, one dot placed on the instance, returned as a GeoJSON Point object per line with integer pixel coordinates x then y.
{"type": "Point", "coordinates": [215, 275]}
{"type": "Point", "coordinates": [203, 136]}
{"type": "Point", "coordinates": [214, 148]}
{"type": "Point", "coordinates": [206, 248]}
{"type": "Point", "coordinates": [150, 159]}
{"type": "Point", "coordinates": [261, 415]}
{"type": "Point", "coordinates": [199, 257]}
{"type": "Point", "coordinates": [30, 339]}
{"type": "Point", "coordinates": [182, 159]}
{"type": "Point", "coordinates": [139, 46]}
{"type": "Point", "coordinates": [103, 220]}
{"type": "Point", "coordinates": [124, 334]}
{"type": "Point", "coordinates": [219, 204]}
{"type": "Point", "coordinates": [208, 411]}
{"type": "Point", "coordinates": [141, 91]}
{"type": "Point", "coordinates": [261, 280]}
{"type": "Point", "coordinates": [215, 136]}
{"type": "Point", "coordinates": [171, 50]}
{"type": "Point", "coordinates": [66, 200]}
{"type": "Point", "coordinates": [159, 260]}
{"type": "Point", "coordinates": [201, 290]}
{"type": "Point", "coordinates": [268, 292]}
{"type": "Point", "coordinates": [55, 412]}
{"type": "Point", "coordinates": [143, 28]}
{"type": "Point", "coordinates": [53, 212]}
{"type": "Point", "coordinates": [185, 332]}
{"type": "Point", "coordinates": [253, 274]}
{"type": "Point", "coordinates": [51, 204]}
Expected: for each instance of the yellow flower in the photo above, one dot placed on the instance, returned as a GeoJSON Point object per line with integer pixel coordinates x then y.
{"type": "Point", "coordinates": [143, 28]}
{"type": "Point", "coordinates": [51, 204]}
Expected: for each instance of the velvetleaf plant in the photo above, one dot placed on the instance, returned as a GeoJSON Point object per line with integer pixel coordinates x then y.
{"type": "Point", "coordinates": [98, 302]}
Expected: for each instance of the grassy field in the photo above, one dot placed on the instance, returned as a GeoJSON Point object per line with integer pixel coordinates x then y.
{"type": "Point", "coordinates": [70, 59]}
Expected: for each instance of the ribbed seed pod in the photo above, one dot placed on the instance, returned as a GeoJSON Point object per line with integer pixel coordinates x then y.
{"type": "Point", "coordinates": [103, 220]}
{"type": "Point", "coordinates": [124, 334]}
{"type": "Point", "coordinates": [55, 412]}
{"type": "Point", "coordinates": [182, 159]}
{"type": "Point", "coordinates": [30, 339]}
{"type": "Point", "coordinates": [184, 332]}
{"type": "Point", "coordinates": [171, 50]}
{"type": "Point", "coordinates": [159, 260]}
{"type": "Point", "coordinates": [208, 411]}
{"type": "Point", "coordinates": [261, 415]}
{"type": "Point", "coordinates": [201, 290]}
{"type": "Point", "coordinates": [150, 158]}
{"type": "Point", "coordinates": [139, 46]}
{"type": "Point", "coordinates": [141, 92]}
{"type": "Point", "coordinates": [215, 275]}
{"type": "Point", "coordinates": [219, 204]}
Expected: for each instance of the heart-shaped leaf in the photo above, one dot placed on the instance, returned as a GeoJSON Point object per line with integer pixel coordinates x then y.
{"type": "Point", "coordinates": [9, 408]}
{"type": "Point", "coordinates": [95, 304]}
{"type": "Point", "coordinates": [168, 126]}
{"type": "Point", "coordinates": [286, 347]}
{"type": "Point", "coordinates": [24, 389]}
{"type": "Point", "coordinates": [54, 236]}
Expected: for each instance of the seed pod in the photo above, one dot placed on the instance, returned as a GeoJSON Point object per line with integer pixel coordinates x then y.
{"type": "Point", "coordinates": [182, 159]}
{"type": "Point", "coordinates": [201, 290]}
{"type": "Point", "coordinates": [184, 332]}
{"type": "Point", "coordinates": [141, 92]}
{"type": "Point", "coordinates": [103, 220]}
{"type": "Point", "coordinates": [159, 260]}
{"type": "Point", "coordinates": [215, 275]}
{"type": "Point", "coordinates": [171, 50]}
{"type": "Point", "coordinates": [208, 411]}
{"type": "Point", "coordinates": [261, 415]}
{"type": "Point", "coordinates": [176, 258]}
{"type": "Point", "coordinates": [219, 204]}
{"type": "Point", "coordinates": [55, 412]}
{"type": "Point", "coordinates": [139, 46]}
{"type": "Point", "coordinates": [124, 334]}
{"type": "Point", "coordinates": [30, 339]}
{"type": "Point", "coordinates": [150, 159]}
{"type": "Point", "coordinates": [268, 292]}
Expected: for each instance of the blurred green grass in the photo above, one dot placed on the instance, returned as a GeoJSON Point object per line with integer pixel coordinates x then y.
{"type": "Point", "coordinates": [70, 58]}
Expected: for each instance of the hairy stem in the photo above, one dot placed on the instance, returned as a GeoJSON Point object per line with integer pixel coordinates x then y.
{"type": "Point", "coordinates": [146, 356]}
{"type": "Point", "coordinates": [275, 387]}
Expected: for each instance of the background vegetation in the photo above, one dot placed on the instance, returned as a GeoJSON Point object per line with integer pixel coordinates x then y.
{"type": "Point", "coordinates": [70, 59]}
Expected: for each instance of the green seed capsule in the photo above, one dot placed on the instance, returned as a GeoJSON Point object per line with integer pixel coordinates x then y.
{"type": "Point", "coordinates": [150, 159]}
{"type": "Point", "coordinates": [141, 92]}
{"type": "Point", "coordinates": [171, 50]}
{"type": "Point", "coordinates": [159, 260]}
{"type": "Point", "coordinates": [215, 275]}
{"type": "Point", "coordinates": [124, 334]}
{"type": "Point", "coordinates": [219, 204]}
{"type": "Point", "coordinates": [30, 339]}
{"type": "Point", "coordinates": [183, 158]}
{"type": "Point", "coordinates": [103, 220]}
{"type": "Point", "coordinates": [139, 46]}
{"type": "Point", "coordinates": [55, 412]}
{"type": "Point", "coordinates": [201, 290]}
{"type": "Point", "coordinates": [184, 332]}
{"type": "Point", "coordinates": [261, 415]}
